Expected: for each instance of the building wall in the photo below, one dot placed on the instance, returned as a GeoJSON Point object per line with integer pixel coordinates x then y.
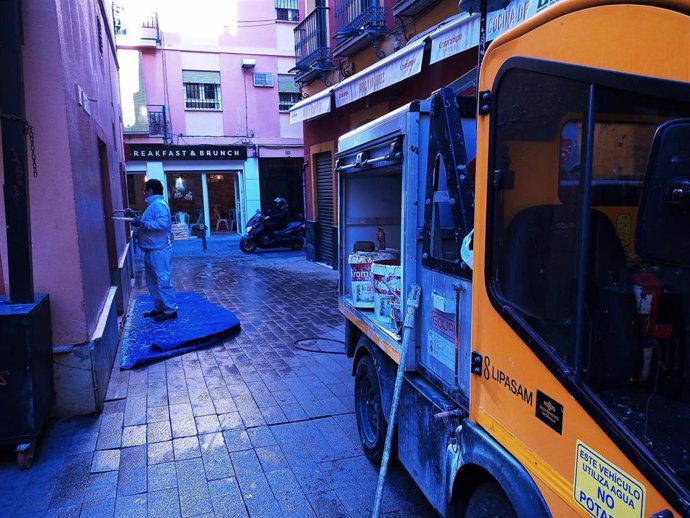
{"type": "Point", "coordinates": [244, 107]}
{"type": "Point", "coordinates": [61, 53]}
{"type": "Point", "coordinates": [78, 253]}
{"type": "Point", "coordinates": [249, 115]}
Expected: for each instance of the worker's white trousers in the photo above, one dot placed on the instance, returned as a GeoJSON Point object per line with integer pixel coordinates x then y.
{"type": "Point", "coordinates": [157, 266]}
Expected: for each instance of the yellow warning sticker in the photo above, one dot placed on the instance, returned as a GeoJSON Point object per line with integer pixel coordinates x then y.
{"type": "Point", "coordinates": [603, 489]}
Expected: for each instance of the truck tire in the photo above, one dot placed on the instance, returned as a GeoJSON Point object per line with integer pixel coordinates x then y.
{"type": "Point", "coordinates": [489, 501]}
{"type": "Point", "coordinates": [371, 423]}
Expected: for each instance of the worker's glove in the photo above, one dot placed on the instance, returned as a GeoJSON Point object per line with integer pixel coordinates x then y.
{"type": "Point", "coordinates": [136, 222]}
{"type": "Point", "coordinates": [130, 213]}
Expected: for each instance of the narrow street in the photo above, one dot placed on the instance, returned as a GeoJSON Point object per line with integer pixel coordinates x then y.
{"type": "Point", "coordinates": [253, 426]}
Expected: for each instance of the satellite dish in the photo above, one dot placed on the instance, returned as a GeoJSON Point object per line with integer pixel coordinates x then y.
{"type": "Point", "coordinates": [474, 6]}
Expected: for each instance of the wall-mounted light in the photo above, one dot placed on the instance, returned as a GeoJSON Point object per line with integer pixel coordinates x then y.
{"type": "Point", "coordinates": [179, 184]}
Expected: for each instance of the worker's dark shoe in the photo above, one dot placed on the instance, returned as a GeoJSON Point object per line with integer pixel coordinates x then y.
{"type": "Point", "coordinates": [165, 316]}
{"type": "Point", "coordinates": [152, 313]}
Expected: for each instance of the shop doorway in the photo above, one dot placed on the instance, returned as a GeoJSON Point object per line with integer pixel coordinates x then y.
{"type": "Point", "coordinates": [282, 178]}
{"type": "Point", "coordinates": [326, 232]}
{"type": "Point", "coordinates": [222, 203]}
{"type": "Point", "coordinates": [186, 201]}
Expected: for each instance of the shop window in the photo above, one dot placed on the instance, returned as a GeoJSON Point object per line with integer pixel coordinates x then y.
{"type": "Point", "coordinates": [202, 90]}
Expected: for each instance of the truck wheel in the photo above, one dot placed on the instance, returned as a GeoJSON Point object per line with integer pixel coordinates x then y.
{"type": "Point", "coordinates": [371, 422]}
{"type": "Point", "coordinates": [489, 501]}
{"type": "Point", "coordinates": [247, 245]}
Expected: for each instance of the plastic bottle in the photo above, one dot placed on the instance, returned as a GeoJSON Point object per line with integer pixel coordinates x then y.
{"type": "Point", "coordinates": [381, 239]}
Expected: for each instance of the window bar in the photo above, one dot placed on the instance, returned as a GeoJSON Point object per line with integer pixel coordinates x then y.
{"type": "Point", "coordinates": [584, 244]}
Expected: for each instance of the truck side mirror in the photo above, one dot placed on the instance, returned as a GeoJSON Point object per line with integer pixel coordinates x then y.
{"type": "Point", "coordinates": [664, 217]}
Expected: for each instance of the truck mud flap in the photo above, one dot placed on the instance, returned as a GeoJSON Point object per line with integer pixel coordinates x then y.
{"type": "Point", "coordinates": [424, 439]}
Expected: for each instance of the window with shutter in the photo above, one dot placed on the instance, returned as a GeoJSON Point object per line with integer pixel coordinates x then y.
{"type": "Point", "coordinates": [288, 92]}
{"type": "Point", "coordinates": [201, 90]}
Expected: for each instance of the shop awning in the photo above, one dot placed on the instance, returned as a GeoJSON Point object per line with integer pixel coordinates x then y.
{"type": "Point", "coordinates": [390, 70]}
{"type": "Point", "coordinates": [311, 107]}
{"type": "Point", "coordinates": [498, 22]}
{"type": "Point", "coordinates": [454, 37]}
{"type": "Point", "coordinates": [463, 33]}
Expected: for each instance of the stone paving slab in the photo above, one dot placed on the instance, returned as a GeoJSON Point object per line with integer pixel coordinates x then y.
{"type": "Point", "coordinates": [250, 427]}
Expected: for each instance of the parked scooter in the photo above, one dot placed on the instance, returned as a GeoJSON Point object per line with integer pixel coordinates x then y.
{"type": "Point", "coordinates": [292, 235]}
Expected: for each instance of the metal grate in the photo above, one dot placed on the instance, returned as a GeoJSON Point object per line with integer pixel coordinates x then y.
{"type": "Point", "coordinates": [324, 207]}
{"type": "Point", "coordinates": [202, 96]}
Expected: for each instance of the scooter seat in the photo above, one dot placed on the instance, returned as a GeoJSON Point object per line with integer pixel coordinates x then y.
{"type": "Point", "coordinates": [288, 229]}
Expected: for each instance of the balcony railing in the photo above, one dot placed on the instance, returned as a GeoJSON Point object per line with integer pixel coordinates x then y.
{"type": "Point", "coordinates": [150, 28]}
{"type": "Point", "coordinates": [147, 29]}
{"type": "Point", "coordinates": [155, 124]}
{"type": "Point", "coordinates": [411, 8]}
{"type": "Point", "coordinates": [353, 17]}
{"type": "Point", "coordinates": [311, 41]}
{"type": "Point", "coordinates": [158, 120]}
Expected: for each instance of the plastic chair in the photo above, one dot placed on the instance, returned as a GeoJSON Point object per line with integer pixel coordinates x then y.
{"type": "Point", "coordinates": [220, 220]}
{"type": "Point", "coordinates": [181, 217]}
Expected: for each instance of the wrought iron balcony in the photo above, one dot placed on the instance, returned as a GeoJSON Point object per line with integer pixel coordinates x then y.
{"type": "Point", "coordinates": [146, 30]}
{"type": "Point", "coordinates": [311, 40]}
{"type": "Point", "coordinates": [354, 17]}
{"type": "Point", "coordinates": [154, 125]}
{"type": "Point", "coordinates": [411, 8]}
{"type": "Point", "coordinates": [158, 121]}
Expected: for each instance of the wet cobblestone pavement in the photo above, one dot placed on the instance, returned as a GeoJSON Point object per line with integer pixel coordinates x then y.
{"type": "Point", "coordinates": [253, 426]}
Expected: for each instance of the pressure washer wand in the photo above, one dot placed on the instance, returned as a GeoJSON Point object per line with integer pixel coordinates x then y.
{"type": "Point", "coordinates": [408, 327]}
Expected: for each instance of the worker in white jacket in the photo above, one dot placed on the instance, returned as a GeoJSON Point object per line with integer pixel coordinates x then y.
{"type": "Point", "coordinates": [152, 234]}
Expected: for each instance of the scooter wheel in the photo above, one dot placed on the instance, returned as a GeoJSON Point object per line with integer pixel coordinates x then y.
{"type": "Point", "coordinates": [247, 245]}
{"type": "Point", "coordinates": [298, 244]}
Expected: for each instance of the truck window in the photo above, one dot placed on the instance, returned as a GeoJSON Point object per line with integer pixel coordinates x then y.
{"type": "Point", "coordinates": [617, 319]}
{"type": "Point", "coordinates": [621, 161]}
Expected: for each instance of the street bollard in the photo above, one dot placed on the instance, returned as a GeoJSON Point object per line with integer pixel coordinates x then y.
{"type": "Point", "coordinates": [202, 229]}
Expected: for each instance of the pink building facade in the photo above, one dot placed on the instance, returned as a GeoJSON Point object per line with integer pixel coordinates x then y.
{"type": "Point", "coordinates": [76, 253]}
{"type": "Point", "coordinates": [205, 109]}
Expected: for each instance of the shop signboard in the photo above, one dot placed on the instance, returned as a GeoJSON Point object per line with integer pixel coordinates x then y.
{"type": "Point", "coordinates": [160, 152]}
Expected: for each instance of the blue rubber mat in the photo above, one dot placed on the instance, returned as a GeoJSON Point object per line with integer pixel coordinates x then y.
{"type": "Point", "coordinates": [199, 324]}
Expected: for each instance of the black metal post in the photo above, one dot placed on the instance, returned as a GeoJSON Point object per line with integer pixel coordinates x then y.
{"type": "Point", "coordinates": [482, 31]}
{"type": "Point", "coordinates": [202, 229]}
{"type": "Point", "coordinates": [14, 152]}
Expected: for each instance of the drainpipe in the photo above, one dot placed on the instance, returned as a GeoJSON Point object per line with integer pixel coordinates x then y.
{"type": "Point", "coordinates": [15, 188]}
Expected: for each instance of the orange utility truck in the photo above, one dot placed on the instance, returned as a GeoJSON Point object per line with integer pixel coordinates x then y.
{"type": "Point", "coordinates": [548, 367]}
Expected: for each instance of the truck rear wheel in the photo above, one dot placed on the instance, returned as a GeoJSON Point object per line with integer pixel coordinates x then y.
{"type": "Point", "coordinates": [489, 501]}
{"type": "Point", "coordinates": [371, 422]}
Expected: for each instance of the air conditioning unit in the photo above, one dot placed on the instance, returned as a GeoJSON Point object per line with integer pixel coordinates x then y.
{"type": "Point", "coordinates": [248, 62]}
{"type": "Point", "coordinates": [263, 79]}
